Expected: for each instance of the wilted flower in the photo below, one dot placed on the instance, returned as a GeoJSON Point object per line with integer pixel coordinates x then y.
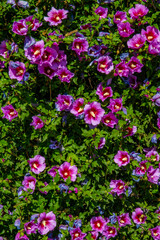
{"type": "Point", "coordinates": [37, 164]}
{"type": "Point", "coordinates": [46, 222]}
{"type": "Point", "coordinates": [115, 105]}
{"type": "Point", "coordinates": [138, 216]}
{"type": "Point", "coordinates": [80, 45]}
{"type": "Point", "coordinates": [55, 16]}
{"type": "Point", "coordinates": [102, 12]}
{"type": "Point", "coordinates": [104, 93]}
{"type": "Point", "coordinates": [93, 113]}
{"type": "Point", "coordinates": [9, 112]}
{"type": "Point", "coordinates": [49, 55]}
{"type": "Point", "coordinates": [29, 182]}
{"type": "Point", "coordinates": [156, 99]}
{"type": "Point", "coordinates": [118, 187]}
{"type": "Point", "coordinates": [37, 122]}
{"type": "Point", "coordinates": [105, 64]}
{"type": "Point", "coordinates": [17, 70]}
{"type": "Point", "coordinates": [20, 27]}
{"type": "Point", "coordinates": [122, 158]}
{"type": "Point", "coordinates": [98, 224]}
{"type": "Point", "coordinates": [139, 11]}
{"type": "Point", "coordinates": [4, 52]}
{"type": "Point", "coordinates": [52, 172]}
{"type": "Point", "coordinates": [66, 170]}
{"type": "Point", "coordinates": [124, 220]}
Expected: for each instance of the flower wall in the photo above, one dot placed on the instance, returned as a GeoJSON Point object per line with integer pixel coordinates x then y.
{"type": "Point", "coordinates": [79, 119]}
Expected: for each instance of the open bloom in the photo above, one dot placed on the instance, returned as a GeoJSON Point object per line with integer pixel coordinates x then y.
{"type": "Point", "coordinates": [105, 64]}
{"type": "Point", "coordinates": [64, 102]}
{"type": "Point", "coordinates": [151, 33]}
{"type": "Point", "coordinates": [20, 27]}
{"type": "Point", "coordinates": [77, 234]}
{"type": "Point", "coordinates": [102, 12]}
{"type": "Point", "coordinates": [153, 155]}
{"type": "Point", "coordinates": [155, 232]}
{"type": "Point", "coordinates": [21, 236]}
{"type": "Point", "coordinates": [30, 227]}
{"type": "Point", "coordinates": [33, 23]}
{"type": "Point", "coordinates": [98, 224]}
{"type": "Point", "coordinates": [37, 122]}
{"type": "Point", "coordinates": [109, 232]}
{"type": "Point", "coordinates": [37, 164]}
{"type": "Point", "coordinates": [156, 99]}
{"type": "Point", "coordinates": [64, 74]}
{"type": "Point", "coordinates": [121, 69]}
{"type": "Point", "coordinates": [134, 65]}
{"type": "Point", "coordinates": [130, 131]}
{"type": "Point", "coordinates": [118, 187]}
{"type": "Point", "coordinates": [120, 17]}
{"type": "Point", "coordinates": [115, 105]}
{"type": "Point", "coordinates": [77, 108]}
{"type": "Point", "coordinates": [139, 11]}
{"type": "Point", "coordinates": [93, 113]}
{"type": "Point", "coordinates": [29, 182]}
{"type": "Point", "coordinates": [136, 42]}
{"type": "Point", "coordinates": [55, 16]}
{"type": "Point", "coordinates": [104, 93]}
{"type": "Point", "coordinates": [153, 175]}
{"type": "Point", "coordinates": [80, 45]}
{"type": "Point", "coordinates": [17, 70]}
{"type": "Point", "coordinates": [46, 222]}
{"type": "Point", "coordinates": [154, 47]}
{"type": "Point", "coordinates": [49, 55]}
{"type": "Point", "coordinates": [109, 120]}
{"type": "Point", "coordinates": [35, 52]}
{"type": "Point", "coordinates": [4, 52]}
{"type": "Point", "coordinates": [9, 112]}
{"type": "Point", "coordinates": [124, 220]}
{"type": "Point", "coordinates": [48, 69]}
{"type": "Point", "coordinates": [101, 143]}
{"type": "Point", "coordinates": [141, 169]}
{"type": "Point", "coordinates": [122, 158]}
{"type": "Point", "coordinates": [125, 29]}
{"type": "Point", "coordinates": [66, 170]}
{"type": "Point", "coordinates": [138, 216]}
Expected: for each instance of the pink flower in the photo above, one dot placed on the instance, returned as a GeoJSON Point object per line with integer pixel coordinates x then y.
{"type": "Point", "coordinates": [20, 27]}
{"type": "Point", "coordinates": [49, 55]}
{"type": "Point", "coordinates": [104, 93]}
{"type": "Point", "coordinates": [155, 232]}
{"type": "Point", "coordinates": [142, 169]}
{"type": "Point", "coordinates": [118, 187]}
{"type": "Point", "coordinates": [151, 33]}
{"type": "Point", "coordinates": [101, 143]}
{"type": "Point", "coordinates": [124, 220]}
{"type": "Point", "coordinates": [30, 227]}
{"type": "Point", "coordinates": [138, 216]}
{"type": "Point", "coordinates": [120, 17]}
{"type": "Point", "coordinates": [37, 164]}
{"type": "Point", "coordinates": [115, 105]}
{"type": "Point", "coordinates": [130, 131]}
{"type": "Point", "coordinates": [35, 52]}
{"type": "Point", "coordinates": [121, 69]}
{"type": "Point", "coordinates": [77, 234]}
{"type": "Point", "coordinates": [98, 224]}
{"type": "Point", "coordinates": [46, 222]}
{"type": "Point", "coordinates": [55, 16]}
{"type": "Point", "coordinates": [109, 120]}
{"type": "Point", "coordinates": [136, 42]}
{"type": "Point", "coordinates": [102, 12]}
{"type": "Point", "coordinates": [105, 64]}
{"type": "Point", "coordinates": [134, 65]}
{"type": "Point", "coordinates": [37, 122]}
{"type": "Point", "coordinates": [64, 74]}
{"type": "Point", "coordinates": [34, 23]}
{"type": "Point", "coordinates": [77, 109]}
{"type": "Point", "coordinates": [154, 47]}
{"type": "Point", "coordinates": [21, 236]}
{"type": "Point", "coordinates": [153, 175]}
{"type": "Point", "coordinates": [153, 155]}
{"type": "Point", "coordinates": [64, 102]}
{"type": "Point", "coordinates": [29, 182]}
{"type": "Point", "coordinates": [125, 29]}
{"type": "Point", "coordinates": [93, 113]}
{"type": "Point", "coordinates": [66, 170]}
{"type": "Point", "coordinates": [80, 45]}
{"type": "Point", "coordinates": [52, 172]}
{"type": "Point", "coordinates": [9, 112]}
{"type": "Point", "coordinates": [139, 11]}
{"type": "Point", "coordinates": [122, 158]}
{"type": "Point", "coordinates": [109, 232]}
{"type": "Point", "coordinates": [17, 70]}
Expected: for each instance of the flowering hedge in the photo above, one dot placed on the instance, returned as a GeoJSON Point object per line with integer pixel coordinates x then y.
{"type": "Point", "coordinates": [79, 119]}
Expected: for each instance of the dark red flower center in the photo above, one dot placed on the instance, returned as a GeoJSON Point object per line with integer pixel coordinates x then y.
{"type": "Point", "coordinates": [19, 71]}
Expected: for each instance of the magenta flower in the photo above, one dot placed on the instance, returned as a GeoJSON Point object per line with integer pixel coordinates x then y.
{"type": "Point", "coordinates": [101, 143]}
{"type": "Point", "coordinates": [109, 120]}
{"type": "Point", "coordinates": [66, 170]}
{"type": "Point", "coordinates": [80, 45]}
{"type": "Point", "coordinates": [155, 232]}
{"type": "Point", "coordinates": [29, 182]}
{"type": "Point", "coordinates": [49, 55]}
{"type": "Point", "coordinates": [124, 220]}
{"type": "Point", "coordinates": [121, 69]}
{"type": "Point", "coordinates": [158, 123]}
{"type": "Point", "coordinates": [37, 122]}
{"type": "Point", "coordinates": [142, 169]}
{"type": "Point", "coordinates": [138, 216]}
{"type": "Point", "coordinates": [139, 11]}
{"type": "Point", "coordinates": [153, 155]}
{"type": "Point", "coordinates": [46, 222]}
{"type": "Point", "coordinates": [33, 23]}
{"type": "Point", "coordinates": [122, 158]}
{"type": "Point", "coordinates": [4, 52]}
{"type": "Point", "coordinates": [153, 175]}
{"type": "Point", "coordinates": [17, 70]}
{"type": "Point", "coordinates": [64, 74]}
{"type": "Point", "coordinates": [55, 16]}
{"type": "Point", "coordinates": [48, 69]}
{"type": "Point", "coordinates": [77, 234]}
{"type": "Point", "coordinates": [104, 93]}
{"type": "Point", "coordinates": [105, 64]}
{"type": "Point", "coordinates": [109, 232]}
{"type": "Point", "coordinates": [156, 99]}
{"type": "Point", "coordinates": [21, 236]}
{"type": "Point", "coordinates": [52, 172]}
{"type": "Point", "coordinates": [133, 81]}
{"type": "Point", "coordinates": [35, 52]}
{"type": "Point", "coordinates": [98, 224]}
{"type": "Point", "coordinates": [125, 29]}
{"type": "Point", "coordinates": [20, 27]}
{"type": "Point", "coordinates": [30, 227]}
{"type": "Point", "coordinates": [136, 42]}
{"type": "Point", "coordinates": [37, 164]}
{"type": "Point", "coordinates": [134, 65]}
{"type": "Point", "coordinates": [93, 113]}
{"type": "Point", "coordinates": [9, 112]}
{"type": "Point", "coordinates": [94, 235]}
{"type": "Point", "coordinates": [115, 105]}
{"type": "Point", "coordinates": [120, 17]}
{"type": "Point", "coordinates": [151, 33]}
{"type": "Point", "coordinates": [102, 12]}
{"type": "Point", "coordinates": [130, 131]}
{"type": "Point", "coordinates": [118, 187]}
{"type": "Point", "coordinates": [154, 47]}
{"type": "Point", "coordinates": [64, 102]}
{"type": "Point", "coordinates": [77, 108]}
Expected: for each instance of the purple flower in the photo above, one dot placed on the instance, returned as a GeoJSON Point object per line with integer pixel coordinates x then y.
{"type": "Point", "coordinates": [118, 187]}
{"type": "Point", "coordinates": [156, 99]}
{"type": "Point", "coordinates": [109, 232]}
{"type": "Point", "coordinates": [54, 145]}
{"type": "Point", "coordinates": [115, 105]}
{"type": "Point", "coordinates": [35, 52]}
{"type": "Point", "coordinates": [105, 64]}
{"type": "Point", "coordinates": [77, 109]}
{"type": "Point", "coordinates": [23, 4]}
{"type": "Point", "coordinates": [153, 175]}
{"type": "Point", "coordinates": [109, 120]}
{"type": "Point", "coordinates": [122, 158]}
{"type": "Point", "coordinates": [130, 131]}
{"type": "Point", "coordinates": [77, 223]}
{"type": "Point", "coordinates": [132, 81]}
{"type": "Point", "coordinates": [44, 185]}
{"type": "Point", "coordinates": [139, 11]}
{"type": "Point", "coordinates": [121, 69]}
{"type": "Point", "coordinates": [63, 188]}
{"type": "Point", "coordinates": [154, 47]}
{"type": "Point", "coordinates": [17, 223]}
{"type": "Point", "coordinates": [37, 122]}
{"type": "Point", "coordinates": [55, 16]}
{"type": "Point", "coordinates": [64, 102]}
{"type": "Point", "coordinates": [33, 23]}
{"type": "Point", "coordinates": [134, 65]}
{"type": "Point", "coordinates": [120, 17]}
{"type": "Point", "coordinates": [37, 164]}
{"type": "Point", "coordinates": [20, 27]}
{"type": "Point", "coordinates": [94, 51]}
{"type": "Point", "coordinates": [138, 216]}
{"type": "Point", "coordinates": [30, 227]}
{"type": "Point", "coordinates": [140, 171]}
{"type": "Point", "coordinates": [29, 182]}
{"type": "Point", "coordinates": [104, 93]}
{"type": "Point", "coordinates": [21, 236]}
{"type": "Point", "coordinates": [158, 123]}
{"type": "Point", "coordinates": [29, 41]}
{"type": "Point", "coordinates": [155, 232]}
{"type": "Point", "coordinates": [46, 222]}
{"type": "Point", "coordinates": [3, 49]}
{"type": "Point", "coordinates": [154, 139]}
{"type": "Point", "coordinates": [48, 69]}
{"type": "Point", "coordinates": [64, 74]}
{"type": "Point", "coordinates": [101, 143]}
{"type": "Point", "coordinates": [136, 42]}
{"type": "Point", "coordinates": [17, 70]}
{"type": "Point", "coordinates": [98, 224]}
{"type": "Point", "coordinates": [93, 113]}
{"type": "Point", "coordinates": [124, 220]}
{"type": "Point", "coordinates": [9, 112]}
{"type": "Point", "coordinates": [77, 234]}
{"type": "Point", "coordinates": [66, 170]}
{"type": "Point", "coordinates": [125, 29]}
{"type": "Point", "coordinates": [153, 155]}
{"type": "Point", "coordinates": [52, 172]}
{"type": "Point", "coordinates": [102, 12]}
{"type": "Point", "coordinates": [49, 55]}
{"type": "Point", "coordinates": [86, 26]}
{"type": "Point", "coordinates": [80, 45]}
{"type": "Point", "coordinates": [151, 33]}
